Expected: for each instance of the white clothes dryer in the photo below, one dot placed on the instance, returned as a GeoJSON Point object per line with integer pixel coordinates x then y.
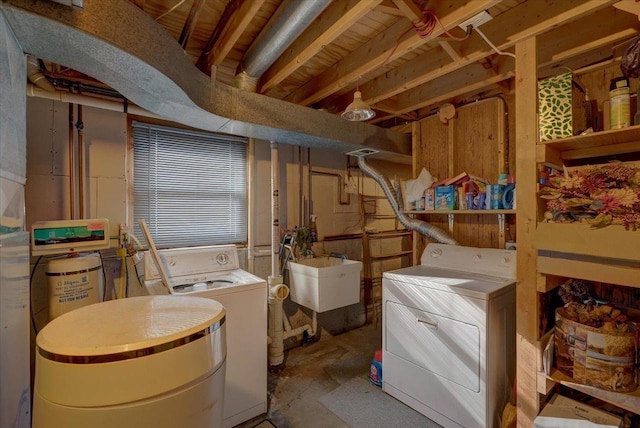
{"type": "Point", "coordinates": [449, 334]}
{"type": "Point", "coordinates": [142, 362]}
{"type": "Point", "coordinates": [214, 272]}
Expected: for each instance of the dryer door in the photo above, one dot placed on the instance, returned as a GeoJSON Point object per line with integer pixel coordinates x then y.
{"type": "Point", "coordinates": [445, 347]}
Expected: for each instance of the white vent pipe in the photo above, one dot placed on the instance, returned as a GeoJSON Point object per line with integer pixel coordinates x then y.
{"type": "Point", "coordinates": [277, 290]}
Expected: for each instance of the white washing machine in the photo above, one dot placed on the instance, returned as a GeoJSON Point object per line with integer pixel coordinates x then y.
{"type": "Point", "coordinates": [214, 272]}
{"type": "Point", "coordinates": [150, 362]}
{"type": "Point", "coordinates": [449, 334]}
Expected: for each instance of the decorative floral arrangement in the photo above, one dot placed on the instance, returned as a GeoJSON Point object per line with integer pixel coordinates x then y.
{"type": "Point", "coordinates": [599, 195]}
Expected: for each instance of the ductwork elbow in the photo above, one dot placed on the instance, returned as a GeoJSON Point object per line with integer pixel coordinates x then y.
{"type": "Point", "coordinates": [422, 227]}
{"type": "Point", "coordinates": [35, 76]}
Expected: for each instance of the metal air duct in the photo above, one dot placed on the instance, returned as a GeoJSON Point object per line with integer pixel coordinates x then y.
{"type": "Point", "coordinates": [289, 21]}
{"type": "Point", "coordinates": [118, 44]}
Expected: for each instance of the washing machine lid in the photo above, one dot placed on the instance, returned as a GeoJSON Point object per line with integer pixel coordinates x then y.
{"type": "Point", "coordinates": [132, 324]}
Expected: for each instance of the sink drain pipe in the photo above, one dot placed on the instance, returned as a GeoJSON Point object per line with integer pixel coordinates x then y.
{"type": "Point", "coordinates": [278, 291]}
{"type": "Point", "coordinates": [422, 227]}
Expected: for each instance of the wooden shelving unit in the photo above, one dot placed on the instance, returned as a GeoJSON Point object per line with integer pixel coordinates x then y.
{"type": "Point", "coordinates": [627, 401]}
{"type": "Point", "coordinates": [610, 255]}
{"type": "Point", "coordinates": [581, 148]}
{"type": "Point", "coordinates": [452, 213]}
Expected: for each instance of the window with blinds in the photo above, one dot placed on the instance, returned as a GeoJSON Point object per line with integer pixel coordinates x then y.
{"type": "Point", "coordinates": [190, 187]}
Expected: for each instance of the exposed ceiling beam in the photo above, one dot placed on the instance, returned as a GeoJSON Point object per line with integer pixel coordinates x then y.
{"type": "Point", "coordinates": [190, 23]}
{"type": "Point", "coordinates": [606, 28]}
{"type": "Point", "coordinates": [385, 47]}
{"type": "Point", "coordinates": [234, 20]}
{"type": "Point", "coordinates": [466, 80]}
{"type": "Point", "coordinates": [450, 50]}
{"type": "Point", "coordinates": [388, 7]}
{"type": "Point", "coordinates": [519, 23]}
{"type": "Point", "coordinates": [409, 9]}
{"type": "Point", "coordinates": [338, 17]}
{"type": "Point", "coordinates": [552, 48]}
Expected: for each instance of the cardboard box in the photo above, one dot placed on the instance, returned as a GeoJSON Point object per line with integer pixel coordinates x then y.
{"type": "Point", "coordinates": [563, 412]}
{"type": "Point", "coordinates": [445, 197]}
{"type": "Point", "coordinates": [430, 199]}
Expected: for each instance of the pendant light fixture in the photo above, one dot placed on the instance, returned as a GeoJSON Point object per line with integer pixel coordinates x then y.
{"type": "Point", "coordinates": [358, 110]}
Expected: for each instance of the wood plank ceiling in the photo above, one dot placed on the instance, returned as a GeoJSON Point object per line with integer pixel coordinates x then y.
{"type": "Point", "coordinates": [403, 73]}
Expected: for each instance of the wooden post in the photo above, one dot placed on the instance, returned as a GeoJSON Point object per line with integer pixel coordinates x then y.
{"type": "Point", "coordinates": [526, 219]}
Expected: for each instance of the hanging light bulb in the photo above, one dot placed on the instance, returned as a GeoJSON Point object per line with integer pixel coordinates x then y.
{"type": "Point", "coordinates": [358, 110]}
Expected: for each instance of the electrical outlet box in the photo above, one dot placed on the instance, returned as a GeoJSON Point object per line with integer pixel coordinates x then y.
{"type": "Point", "coordinates": [481, 18]}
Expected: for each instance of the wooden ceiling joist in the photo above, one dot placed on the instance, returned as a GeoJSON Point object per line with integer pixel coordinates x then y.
{"type": "Point", "coordinates": [190, 23]}
{"type": "Point", "coordinates": [386, 47]}
{"type": "Point", "coordinates": [471, 78]}
{"type": "Point", "coordinates": [338, 17]}
{"type": "Point", "coordinates": [531, 18]}
{"type": "Point", "coordinates": [235, 19]}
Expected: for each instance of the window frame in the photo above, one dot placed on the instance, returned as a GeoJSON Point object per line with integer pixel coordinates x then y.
{"type": "Point", "coordinates": [239, 237]}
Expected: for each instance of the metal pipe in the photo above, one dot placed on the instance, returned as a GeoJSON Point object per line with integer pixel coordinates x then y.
{"type": "Point", "coordinates": [422, 227]}
{"type": "Point", "coordinates": [286, 24]}
{"type": "Point", "coordinates": [72, 176]}
{"type": "Point", "coordinates": [81, 190]}
{"type": "Point", "coordinates": [67, 97]}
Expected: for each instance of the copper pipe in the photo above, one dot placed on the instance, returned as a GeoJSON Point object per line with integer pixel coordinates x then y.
{"type": "Point", "coordinates": [72, 192]}
{"type": "Point", "coordinates": [81, 189]}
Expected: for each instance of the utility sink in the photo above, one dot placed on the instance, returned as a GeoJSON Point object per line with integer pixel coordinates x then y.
{"type": "Point", "coordinates": [325, 283]}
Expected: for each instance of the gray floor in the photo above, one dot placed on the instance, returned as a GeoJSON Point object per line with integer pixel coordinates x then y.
{"type": "Point", "coordinates": [325, 384]}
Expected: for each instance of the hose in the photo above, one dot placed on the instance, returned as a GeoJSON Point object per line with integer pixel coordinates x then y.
{"type": "Point", "coordinates": [422, 227]}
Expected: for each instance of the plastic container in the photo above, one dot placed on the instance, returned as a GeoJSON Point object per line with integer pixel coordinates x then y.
{"type": "Point", "coordinates": [620, 111]}
{"type": "Point", "coordinates": [375, 372]}
{"type": "Point", "coordinates": [74, 282]}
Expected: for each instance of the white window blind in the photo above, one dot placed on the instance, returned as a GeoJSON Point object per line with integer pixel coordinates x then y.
{"type": "Point", "coordinates": [190, 187]}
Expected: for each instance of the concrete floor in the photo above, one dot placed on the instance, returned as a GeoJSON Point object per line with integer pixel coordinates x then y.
{"type": "Point", "coordinates": [314, 370]}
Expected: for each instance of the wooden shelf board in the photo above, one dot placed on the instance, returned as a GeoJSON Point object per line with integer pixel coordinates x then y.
{"type": "Point", "coordinates": [461, 212]}
{"type": "Point", "coordinates": [629, 401]}
{"type": "Point", "coordinates": [604, 143]}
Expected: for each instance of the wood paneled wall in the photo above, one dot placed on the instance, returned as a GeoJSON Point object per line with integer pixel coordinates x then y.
{"type": "Point", "coordinates": [474, 141]}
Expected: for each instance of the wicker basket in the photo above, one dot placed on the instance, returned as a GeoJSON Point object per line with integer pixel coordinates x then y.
{"type": "Point", "coordinates": [594, 357]}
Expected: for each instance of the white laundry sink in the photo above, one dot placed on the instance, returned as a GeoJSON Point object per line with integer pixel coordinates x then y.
{"type": "Point", "coordinates": [325, 283]}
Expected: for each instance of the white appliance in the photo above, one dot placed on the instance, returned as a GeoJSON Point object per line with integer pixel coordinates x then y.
{"type": "Point", "coordinates": [15, 391]}
{"type": "Point", "coordinates": [143, 362]}
{"type": "Point", "coordinates": [74, 279]}
{"type": "Point", "coordinates": [214, 272]}
{"type": "Point", "coordinates": [449, 334]}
